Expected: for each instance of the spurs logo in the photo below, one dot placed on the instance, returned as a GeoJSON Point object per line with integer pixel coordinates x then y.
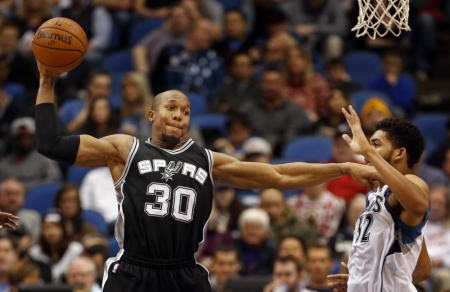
{"type": "Point", "coordinates": [171, 169]}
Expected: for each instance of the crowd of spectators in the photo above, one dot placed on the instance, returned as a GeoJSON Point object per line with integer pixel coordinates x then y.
{"type": "Point", "coordinates": [274, 69]}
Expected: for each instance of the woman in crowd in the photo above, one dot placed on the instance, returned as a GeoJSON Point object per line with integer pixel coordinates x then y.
{"type": "Point", "coordinates": [101, 121]}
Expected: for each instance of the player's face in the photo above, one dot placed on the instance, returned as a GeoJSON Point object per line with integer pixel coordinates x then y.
{"type": "Point", "coordinates": [292, 247]}
{"type": "Point", "coordinates": [382, 145]}
{"type": "Point", "coordinates": [287, 273]}
{"type": "Point", "coordinates": [226, 265]}
{"type": "Point", "coordinates": [171, 118]}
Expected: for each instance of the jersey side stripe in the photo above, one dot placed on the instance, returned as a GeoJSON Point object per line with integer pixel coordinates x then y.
{"type": "Point", "coordinates": [211, 164]}
{"type": "Point", "coordinates": [108, 265]}
{"type": "Point", "coordinates": [200, 245]}
{"type": "Point", "coordinates": [129, 159]}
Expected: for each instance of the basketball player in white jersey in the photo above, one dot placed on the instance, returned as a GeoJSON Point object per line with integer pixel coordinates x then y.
{"type": "Point", "coordinates": [389, 252]}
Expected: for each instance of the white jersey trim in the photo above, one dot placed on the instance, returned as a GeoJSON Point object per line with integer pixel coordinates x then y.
{"type": "Point", "coordinates": [200, 245]}
{"type": "Point", "coordinates": [211, 164]}
{"type": "Point", "coordinates": [133, 151]}
{"type": "Point", "coordinates": [183, 147]}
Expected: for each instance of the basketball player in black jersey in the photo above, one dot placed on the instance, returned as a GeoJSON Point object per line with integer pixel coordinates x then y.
{"type": "Point", "coordinates": [165, 189]}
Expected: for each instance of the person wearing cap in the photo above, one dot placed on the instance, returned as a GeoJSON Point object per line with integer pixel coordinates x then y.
{"type": "Point", "coordinates": [373, 111]}
{"type": "Point", "coordinates": [25, 163]}
{"type": "Point", "coordinates": [257, 149]}
{"type": "Point", "coordinates": [54, 248]}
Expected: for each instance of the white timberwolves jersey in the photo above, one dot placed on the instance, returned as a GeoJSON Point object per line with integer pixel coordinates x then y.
{"type": "Point", "coordinates": [385, 250]}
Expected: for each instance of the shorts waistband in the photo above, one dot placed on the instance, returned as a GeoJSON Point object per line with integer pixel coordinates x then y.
{"type": "Point", "coordinates": [159, 264]}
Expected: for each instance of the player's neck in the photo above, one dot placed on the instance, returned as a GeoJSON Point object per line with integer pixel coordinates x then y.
{"type": "Point", "coordinates": [160, 144]}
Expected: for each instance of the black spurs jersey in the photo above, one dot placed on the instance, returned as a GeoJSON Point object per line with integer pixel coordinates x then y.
{"type": "Point", "coordinates": [165, 199]}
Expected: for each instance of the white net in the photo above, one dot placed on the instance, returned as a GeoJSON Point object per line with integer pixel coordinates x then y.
{"type": "Point", "coordinates": [379, 17]}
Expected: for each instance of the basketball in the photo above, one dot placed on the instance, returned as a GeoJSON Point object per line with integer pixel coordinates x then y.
{"type": "Point", "coordinates": [59, 44]}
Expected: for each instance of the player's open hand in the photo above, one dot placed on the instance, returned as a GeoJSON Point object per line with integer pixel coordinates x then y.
{"type": "Point", "coordinates": [358, 143]}
{"type": "Point", "coordinates": [365, 175]}
{"type": "Point", "coordinates": [7, 221]}
{"type": "Point", "coordinates": [338, 281]}
{"type": "Point", "coordinates": [45, 72]}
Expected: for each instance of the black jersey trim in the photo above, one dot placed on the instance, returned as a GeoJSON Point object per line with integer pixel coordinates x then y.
{"type": "Point", "coordinates": [183, 148]}
{"type": "Point", "coordinates": [133, 151]}
{"type": "Point", "coordinates": [211, 164]}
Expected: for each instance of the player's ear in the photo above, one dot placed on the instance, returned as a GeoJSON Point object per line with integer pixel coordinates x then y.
{"type": "Point", "coordinates": [151, 116]}
{"type": "Point", "coordinates": [400, 154]}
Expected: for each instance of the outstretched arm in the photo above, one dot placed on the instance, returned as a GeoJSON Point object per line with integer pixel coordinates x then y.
{"type": "Point", "coordinates": [84, 150]}
{"type": "Point", "coordinates": [423, 266]}
{"type": "Point", "coordinates": [288, 176]}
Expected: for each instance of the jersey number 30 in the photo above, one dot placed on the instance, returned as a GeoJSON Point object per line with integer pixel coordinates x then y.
{"type": "Point", "coordinates": [162, 193]}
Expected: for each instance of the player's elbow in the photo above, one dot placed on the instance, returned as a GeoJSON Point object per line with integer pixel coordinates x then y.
{"type": "Point", "coordinates": [44, 147]}
{"type": "Point", "coordinates": [419, 210]}
{"type": "Point", "coordinates": [422, 275]}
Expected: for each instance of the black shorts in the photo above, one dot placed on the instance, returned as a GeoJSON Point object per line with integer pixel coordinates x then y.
{"type": "Point", "coordinates": [130, 273]}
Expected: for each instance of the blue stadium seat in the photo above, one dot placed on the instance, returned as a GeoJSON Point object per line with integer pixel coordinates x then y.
{"type": "Point", "coordinates": [309, 149]}
{"type": "Point", "coordinates": [231, 4]}
{"type": "Point", "coordinates": [210, 121]}
{"type": "Point", "coordinates": [42, 197]}
{"type": "Point", "coordinates": [363, 65]}
{"type": "Point", "coordinates": [95, 219]}
{"type": "Point", "coordinates": [141, 29]}
{"type": "Point", "coordinates": [433, 126]}
{"type": "Point", "coordinates": [113, 246]}
{"type": "Point", "coordinates": [76, 174]}
{"type": "Point", "coordinates": [198, 104]}
{"type": "Point", "coordinates": [359, 98]}
{"type": "Point", "coordinates": [17, 91]}
{"type": "Point", "coordinates": [118, 62]}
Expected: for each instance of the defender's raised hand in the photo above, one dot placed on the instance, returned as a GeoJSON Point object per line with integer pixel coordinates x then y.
{"type": "Point", "coordinates": [7, 220]}
{"type": "Point", "coordinates": [358, 142]}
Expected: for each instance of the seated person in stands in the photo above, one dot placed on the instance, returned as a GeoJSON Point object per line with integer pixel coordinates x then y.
{"type": "Point", "coordinates": [287, 275]}
{"type": "Point", "coordinates": [82, 271]}
{"type": "Point", "coordinates": [225, 266]}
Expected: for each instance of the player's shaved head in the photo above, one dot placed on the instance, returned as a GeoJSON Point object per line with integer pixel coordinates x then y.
{"type": "Point", "coordinates": [166, 96]}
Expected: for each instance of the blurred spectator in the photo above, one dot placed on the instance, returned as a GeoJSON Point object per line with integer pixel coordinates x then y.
{"type": "Point", "coordinates": [344, 187]}
{"type": "Point", "coordinates": [23, 272]}
{"type": "Point", "coordinates": [101, 121]}
{"type": "Point", "coordinates": [25, 163]}
{"type": "Point", "coordinates": [10, 109]}
{"type": "Point", "coordinates": [97, 193]}
{"type": "Point", "coordinates": [96, 248]}
{"type": "Point", "coordinates": [318, 264]}
{"type": "Point", "coordinates": [6, 8]}
{"type": "Point", "coordinates": [8, 257]}
{"type": "Point", "coordinates": [23, 71]}
{"type": "Point", "coordinates": [437, 236]}
{"type": "Point", "coordinates": [320, 22]}
{"type": "Point", "coordinates": [240, 88]}
{"type": "Point", "coordinates": [256, 250]}
{"type": "Point", "coordinates": [225, 266]}
{"type": "Point", "coordinates": [272, 117]}
{"type": "Point", "coordinates": [173, 32]}
{"type": "Point", "coordinates": [396, 84]}
{"type": "Point", "coordinates": [430, 174]}
{"type": "Point", "coordinates": [339, 78]}
{"type": "Point", "coordinates": [14, 89]}
{"type": "Point", "coordinates": [137, 102]}
{"type": "Point", "coordinates": [238, 132]}
{"type": "Point", "coordinates": [67, 200]}
{"type": "Point", "coordinates": [373, 111]}
{"type": "Point", "coordinates": [12, 199]}
{"type": "Point", "coordinates": [262, 15]}
{"type": "Point", "coordinates": [82, 271]}
{"type": "Point", "coordinates": [209, 9]}
{"type": "Point", "coordinates": [228, 208]}
{"type": "Point", "coordinates": [153, 8]}
{"type": "Point", "coordinates": [237, 39]}
{"type": "Point", "coordinates": [74, 112]}
{"type": "Point", "coordinates": [287, 275]}
{"type": "Point", "coordinates": [192, 67]}
{"type": "Point", "coordinates": [441, 159]}
{"type": "Point", "coordinates": [341, 243]}
{"type": "Point", "coordinates": [304, 87]}
{"type": "Point", "coordinates": [54, 248]}
{"type": "Point", "coordinates": [283, 219]}
{"type": "Point", "coordinates": [292, 245]}
{"type": "Point", "coordinates": [319, 206]}
{"type": "Point", "coordinates": [327, 125]}
{"type": "Point", "coordinates": [29, 16]}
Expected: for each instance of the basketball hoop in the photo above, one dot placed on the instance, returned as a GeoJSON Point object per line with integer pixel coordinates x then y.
{"type": "Point", "coordinates": [379, 17]}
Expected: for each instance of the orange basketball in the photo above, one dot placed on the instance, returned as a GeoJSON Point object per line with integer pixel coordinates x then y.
{"type": "Point", "coordinates": [59, 44]}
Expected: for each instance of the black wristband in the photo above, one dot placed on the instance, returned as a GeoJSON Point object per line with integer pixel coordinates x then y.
{"type": "Point", "coordinates": [49, 140]}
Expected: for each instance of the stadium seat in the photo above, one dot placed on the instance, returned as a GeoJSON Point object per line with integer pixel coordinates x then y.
{"type": "Point", "coordinates": [95, 219]}
{"type": "Point", "coordinates": [76, 174]}
{"type": "Point", "coordinates": [118, 62]}
{"type": "Point", "coordinates": [210, 121]}
{"type": "Point", "coordinates": [231, 4]}
{"type": "Point", "coordinates": [363, 65]}
{"type": "Point", "coordinates": [198, 104]}
{"type": "Point", "coordinates": [433, 126]}
{"type": "Point", "coordinates": [141, 29]}
{"type": "Point", "coordinates": [42, 197]}
{"type": "Point", "coordinates": [309, 149]}
{"type": "Point", "coordinates": [359, 98]}
{"type": "Point", "coordinates": [113, 246]}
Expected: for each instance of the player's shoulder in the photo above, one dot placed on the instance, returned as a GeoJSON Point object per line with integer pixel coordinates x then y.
{"type": "Point", "coordinates": [418, 181]}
